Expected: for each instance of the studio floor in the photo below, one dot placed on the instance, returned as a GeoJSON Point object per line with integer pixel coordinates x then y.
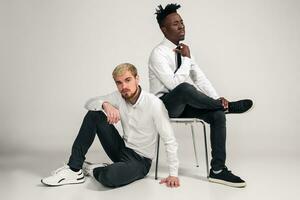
{"type": "Point", "coordinates": [267, 178]}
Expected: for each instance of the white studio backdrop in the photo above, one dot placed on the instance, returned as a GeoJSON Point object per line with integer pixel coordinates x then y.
{"type": "Point", "coordinates": [55, 54]}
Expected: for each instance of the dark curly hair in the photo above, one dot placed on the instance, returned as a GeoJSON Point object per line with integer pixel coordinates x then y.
{"type": "Point", "coordinates": [162, 13]}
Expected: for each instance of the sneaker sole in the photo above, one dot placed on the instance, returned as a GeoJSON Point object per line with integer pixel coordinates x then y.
{"type": "Point", "coordinates": [64, 183]}
{"type": "Point", "coordinates": [253, 105]}
{"type": "Point", "coordinates": [237, 185]}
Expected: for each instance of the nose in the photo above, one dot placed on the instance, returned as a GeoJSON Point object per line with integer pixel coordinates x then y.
{"type": "Point", "coordinates": [124, 86]}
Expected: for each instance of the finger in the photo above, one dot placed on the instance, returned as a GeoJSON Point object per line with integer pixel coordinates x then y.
{"type": "Point", "coordinates": [226, 105]}
{"type": "Point", "coordinates": [177, 50]}
{"type": "Point", "coordinates": [168, 184]}
{"type": "Point", "coordinates": [178, 182]}
{"type": "Point", "coordinates": [108, 117]}
{"type": "Point", "coordinates": [118, 116]}
{"type": "Point", "coordinates": [162, 181]}
{"type": "Point", "coordinates": [111, 119]}
{"type": "Point", "coordinates": [114, 118]}
{"type": "Point", "coordinates": [223, 104]}
{"type": "Point", "coordinates": [175, 184]}
{"type": "Point", "coordinates": [172, 184]}
{"type": "Point", "coordinates": [118, 119]}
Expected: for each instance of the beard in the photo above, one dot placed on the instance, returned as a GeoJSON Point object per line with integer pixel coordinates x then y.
{"type": "Point", "coordinates": [128, 96]}
{"type": "Point", "coordinates": [181, 37]}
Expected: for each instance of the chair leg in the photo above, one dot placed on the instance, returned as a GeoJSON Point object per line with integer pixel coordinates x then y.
{"type": "Point", "coordinates": [157, 154]}
{"type": "Point", "coordinates": [206, 154]}
{"type": "Point", "coordinates": [195, 148]}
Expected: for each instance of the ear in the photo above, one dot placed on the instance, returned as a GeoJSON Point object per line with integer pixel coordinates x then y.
{"type": "Point", "coordinates": [163, 29]}
{"type": "Point", "coordinates": [137, 79]}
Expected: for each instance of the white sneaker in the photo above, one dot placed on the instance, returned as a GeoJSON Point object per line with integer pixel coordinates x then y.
{"type": "Point", "coordinates": [88, 167]}
{"type": "Point", "coordinates": [64, 176]}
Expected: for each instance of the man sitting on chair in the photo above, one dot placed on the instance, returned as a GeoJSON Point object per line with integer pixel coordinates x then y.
{"type": "Point", "coordinates": [170, 66]}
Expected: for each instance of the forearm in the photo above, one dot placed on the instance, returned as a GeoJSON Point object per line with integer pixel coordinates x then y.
{"type": "Point", "coordinates": [172, 157]}
{"type": "Point", "coordinates": [96, 103]}
{"type": "Point", "coordinates": [202, 83]}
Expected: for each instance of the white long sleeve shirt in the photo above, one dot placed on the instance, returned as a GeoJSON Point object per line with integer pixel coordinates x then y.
{"type": "Point", "coordinates": [141, 122]}
{"type": "Point", "coordinates": [162, 65]}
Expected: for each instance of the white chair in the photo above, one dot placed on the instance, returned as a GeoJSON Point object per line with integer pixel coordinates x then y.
{"type": "Point", "coordinates": [191, 122]}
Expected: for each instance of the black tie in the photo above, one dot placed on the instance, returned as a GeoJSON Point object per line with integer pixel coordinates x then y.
{"type": "Point", "coordinates": [178, 59]}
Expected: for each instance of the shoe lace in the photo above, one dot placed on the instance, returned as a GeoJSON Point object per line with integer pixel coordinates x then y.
{"type": "Point", "coordinates": [226, 169]}
{"type": "Point", "coordinates": [60, 169]}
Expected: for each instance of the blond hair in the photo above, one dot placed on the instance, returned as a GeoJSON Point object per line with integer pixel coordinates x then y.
{"type": "Point", "coordinates": [122, 68]}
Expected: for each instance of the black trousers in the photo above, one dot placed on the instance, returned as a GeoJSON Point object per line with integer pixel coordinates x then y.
{"type": "Point", "coordinates": [185, 101]}
{"type": "Point", "coordinates": [127, 166]}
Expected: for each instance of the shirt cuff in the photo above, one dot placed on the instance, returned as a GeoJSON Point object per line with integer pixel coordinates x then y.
{"type": "Point", "coordinates": [186, 61]}
{"type": "Point", "coordinates": [174, 172]}
{"type": "Point", "coordinates": [94, 105]}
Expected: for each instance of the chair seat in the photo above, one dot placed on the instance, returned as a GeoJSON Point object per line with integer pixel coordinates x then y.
{"type": "Point", "coordinates": [185, 120]}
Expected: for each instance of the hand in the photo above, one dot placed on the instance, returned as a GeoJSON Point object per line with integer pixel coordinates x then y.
{"type": "Point", "coordinates": [113, 114]}
{"type": "Point", "coordinates": [184, 50]}
{"type": "Point", "coordinates": [170, 181]}
{"type": "Point", "coordinates": [224, 102]}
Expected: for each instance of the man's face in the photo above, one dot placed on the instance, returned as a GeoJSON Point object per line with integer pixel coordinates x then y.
{"type": "Point", "coordinates": [127, 84]}
{"type": "Point", "coordinates": [173, 28]}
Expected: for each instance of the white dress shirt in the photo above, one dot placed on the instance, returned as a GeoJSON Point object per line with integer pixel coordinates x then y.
{"type": "Point", "coordinates": [141, 122]}
{"type": "Point", "coordinates": [162, 65]}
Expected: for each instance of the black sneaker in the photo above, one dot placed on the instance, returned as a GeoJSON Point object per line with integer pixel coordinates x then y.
{"type": "Point", "coordinates": [225, 177]}
{"type": "Point", "coordinates": [240, 106]}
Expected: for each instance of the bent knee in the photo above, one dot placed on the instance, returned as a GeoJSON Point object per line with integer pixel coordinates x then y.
{"type": "Point", "coordinates": [96, 115]}
{"type": "Point", "coordinates": [184, 87]}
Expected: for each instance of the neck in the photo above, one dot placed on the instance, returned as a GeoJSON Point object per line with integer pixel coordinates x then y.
{"type": "Point", "coordinates": [135, 97]}
{"type": "Point", "coordinates": [175, 42]}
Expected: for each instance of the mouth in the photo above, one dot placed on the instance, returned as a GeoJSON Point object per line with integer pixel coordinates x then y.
{"type": "Point", "coordinates": [124, 91]}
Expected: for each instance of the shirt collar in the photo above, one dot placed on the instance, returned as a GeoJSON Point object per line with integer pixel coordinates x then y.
{"type": "Point", "coordinates": [168, 43]}
{"type": "Point", "coordinates": [139, 98]}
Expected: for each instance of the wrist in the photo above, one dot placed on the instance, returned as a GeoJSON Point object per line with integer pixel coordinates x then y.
{"type": "Point", "coordinates": [104, 104]}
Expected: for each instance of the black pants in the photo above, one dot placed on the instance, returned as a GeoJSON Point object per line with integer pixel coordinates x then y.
{"type": "Point", "coordinates": [185, 101]}
{"type": "Point", "coordinates": [128, 166]}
